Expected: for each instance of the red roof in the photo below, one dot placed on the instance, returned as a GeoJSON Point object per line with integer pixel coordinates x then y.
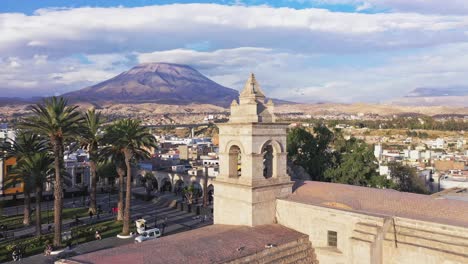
{"type": "Point", "coordinates": [212, 244]}
{"type": "Point", "coordinates": [383, 202]}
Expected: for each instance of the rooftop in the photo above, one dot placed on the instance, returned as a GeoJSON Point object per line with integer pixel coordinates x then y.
{"type": "Point", "coordinates": [212, 244]}
{"type": "Point", "coordinates": [382, 201]}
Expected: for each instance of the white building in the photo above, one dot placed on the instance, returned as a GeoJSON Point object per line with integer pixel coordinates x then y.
{"type": "Point", "coordinates": [378, 151]}
{"type": "Point", "coordinates": [414, 155]}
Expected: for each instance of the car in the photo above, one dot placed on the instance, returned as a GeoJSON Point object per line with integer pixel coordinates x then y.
{"type": "Point", "coordinates": [148, 235]}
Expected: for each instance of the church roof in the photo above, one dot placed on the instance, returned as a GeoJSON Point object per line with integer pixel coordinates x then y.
{"type": "Point", "coordinates": [382, 202]}
{"type": "Point", "coordinates": [252, 88]}
{"type": "Point", "coordinates": [211, 244]}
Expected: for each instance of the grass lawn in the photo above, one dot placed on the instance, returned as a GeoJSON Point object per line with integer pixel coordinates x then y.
{"type": "Point", "coordinates": [14, 222]}
{"type": "Point", "coordinates": [83, 234]}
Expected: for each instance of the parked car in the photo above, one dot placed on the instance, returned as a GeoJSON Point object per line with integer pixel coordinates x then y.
{"type": "Point", "coordinates": [148, 235]}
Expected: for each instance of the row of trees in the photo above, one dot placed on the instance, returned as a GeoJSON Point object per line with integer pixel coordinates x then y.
{"type": "Point", "coordinates": [39, 150]}
{"type": "Point", "coordinates": [413, 122]}
{"type": "Point", "coordinates": [327, 156]}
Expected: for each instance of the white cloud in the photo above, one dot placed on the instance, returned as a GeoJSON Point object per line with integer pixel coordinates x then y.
{"type": "Point", "coordinates": [459, 7]}
{"type": "Point", "coordinates": [115, 30]}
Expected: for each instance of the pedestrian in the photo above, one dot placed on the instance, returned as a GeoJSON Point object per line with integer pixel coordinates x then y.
{"type": "Point", "coordinates": [47, 250]}
{"type": "Point", "coordinates": [90, 214]}
{"type": "Point", "coordinates": [98, 235]}
{"type": "Point", "coordinates": [163, 228]}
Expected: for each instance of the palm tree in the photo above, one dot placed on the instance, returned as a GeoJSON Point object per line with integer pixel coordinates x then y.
{"type": "Point", "coordinates": [133, 141]}
{"type": "Point", "coordinates": [58, 121]}
{"type": "Point", "coordinates": [110, 153]}
{"type": "Point", "coordinates": [22, 148]}
{"type": "Point", "coordinates": [38, 166]}
{"type": "Point", "coordinates": [91, 139]}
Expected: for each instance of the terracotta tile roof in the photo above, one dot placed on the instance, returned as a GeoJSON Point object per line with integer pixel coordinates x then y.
{"type": "Point", "coordinates": [212, 244]}
{"type": "Point", "coordinates": [382, 201]}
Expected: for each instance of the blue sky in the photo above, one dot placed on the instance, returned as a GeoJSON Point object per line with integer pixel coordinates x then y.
{"type": "Point", "coordinates": [29, 6]}
{"type": "Point", "coordinates": [302, 50]}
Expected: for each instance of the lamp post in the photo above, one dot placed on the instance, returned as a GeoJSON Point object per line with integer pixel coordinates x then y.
{"type": "Point", "coordinates": [108, 200]}
{"type": "Point", "coordinates": [48, 199]}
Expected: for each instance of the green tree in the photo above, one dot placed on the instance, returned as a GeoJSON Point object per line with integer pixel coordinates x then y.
{"type": "Point", "coordinates": [133, 140]}
{"type": "Point", "coordinates": [23, 147]}
{"type": "Point", "coordinates": [406, 179]}
{"type": "Point", "coordinates": [91, 140]}
{"type": "Point", "coordinates": [38, 166]}
{"type": "Point", "coordinates": [355, 164]}
{"type": "Point", "coordinates": [311, 151]}
{"type": "Point", "coordinates": [112, 154]}
{"type": "Point", "coordinates": [58, 121]}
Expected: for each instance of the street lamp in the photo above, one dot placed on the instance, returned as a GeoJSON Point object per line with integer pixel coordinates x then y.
{"type": "Point", "coordinates": [48, 199]}
{"type": "Point", "coordinates": [108, 200]}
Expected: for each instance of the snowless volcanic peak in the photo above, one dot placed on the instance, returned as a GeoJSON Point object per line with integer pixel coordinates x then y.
{"type": "Point", "coordinates": [164, 83]}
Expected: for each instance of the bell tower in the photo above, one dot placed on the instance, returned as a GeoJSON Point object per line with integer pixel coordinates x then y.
{"type": "Point", "coordinates": [252, 159]}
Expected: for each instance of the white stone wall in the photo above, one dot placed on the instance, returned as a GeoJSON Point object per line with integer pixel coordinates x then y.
{"type": "Point", "coordinates": [358, 236]}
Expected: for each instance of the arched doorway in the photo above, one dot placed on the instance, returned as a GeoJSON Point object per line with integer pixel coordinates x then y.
{"type": "Point", "coordinates": [155, 185]}
{"type": "Point", "coordinates": [166, 185]}
{"type": "Point", "coordinates": [179, 187]}
{"type": "Point", "coordinates": [197, 190]}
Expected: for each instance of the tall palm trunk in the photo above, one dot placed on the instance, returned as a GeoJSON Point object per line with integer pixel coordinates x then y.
{"type": "Point", "coordinates": [57, 144]}
{"type": "Point", "coordinates": [128, 195]}
{"type": "Point", "coordinates": [120, 205]}
{"type": "Point", "coordinates": [27, 208]}
{"type": "Point", "coordinates": [92, 195]}
{"type": "Point", "coordinates": [38, 211]}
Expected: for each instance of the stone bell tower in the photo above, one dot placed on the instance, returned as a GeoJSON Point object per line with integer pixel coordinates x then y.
{"type": "Point", "coordinates": [252, 159]}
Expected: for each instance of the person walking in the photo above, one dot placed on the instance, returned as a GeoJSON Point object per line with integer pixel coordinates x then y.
{"type": "Point", "coordinates": [47, 250]}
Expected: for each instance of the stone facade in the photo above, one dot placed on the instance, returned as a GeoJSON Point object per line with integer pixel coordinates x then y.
{"type": "Point", "coordinates": [366, 238]}
{"type": "Point", "coordinates": [253, 154]}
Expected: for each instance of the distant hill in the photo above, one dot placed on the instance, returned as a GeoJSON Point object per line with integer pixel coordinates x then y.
{"type": "Point", "coordinates": [432, 92]}
{"type": "Point", "coordinates": [434, 96]}
{"type": "Point", "coordinates": [163, 83]}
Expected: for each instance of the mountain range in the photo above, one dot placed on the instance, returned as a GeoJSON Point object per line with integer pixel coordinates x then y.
{"type": "Point", "coordinates": [164, 83]}
{"type": "Point", "coordinates": [438, 91]}
{"type": "Point", "coordinates": [434, 96]}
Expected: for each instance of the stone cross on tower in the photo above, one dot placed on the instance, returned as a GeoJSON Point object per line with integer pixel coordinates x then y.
{"type": "Point", "coordinates": [252, 153]}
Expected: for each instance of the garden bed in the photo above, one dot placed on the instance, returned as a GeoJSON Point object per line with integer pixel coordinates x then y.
{"type": "Point", "coordinates": [82, 234]}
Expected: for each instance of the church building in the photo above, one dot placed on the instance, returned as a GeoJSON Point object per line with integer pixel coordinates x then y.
{"type": "Point", "coordinates": [262, 216]}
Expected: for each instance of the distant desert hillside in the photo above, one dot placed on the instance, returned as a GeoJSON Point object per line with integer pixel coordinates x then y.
{"type": "Point", "coordinates": [380, 109]}
{"type": "Point", "coordinates": [195, 112]}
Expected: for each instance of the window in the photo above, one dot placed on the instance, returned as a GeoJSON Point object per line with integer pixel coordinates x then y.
{"type": "Point", "coordinates": [332, 239]}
